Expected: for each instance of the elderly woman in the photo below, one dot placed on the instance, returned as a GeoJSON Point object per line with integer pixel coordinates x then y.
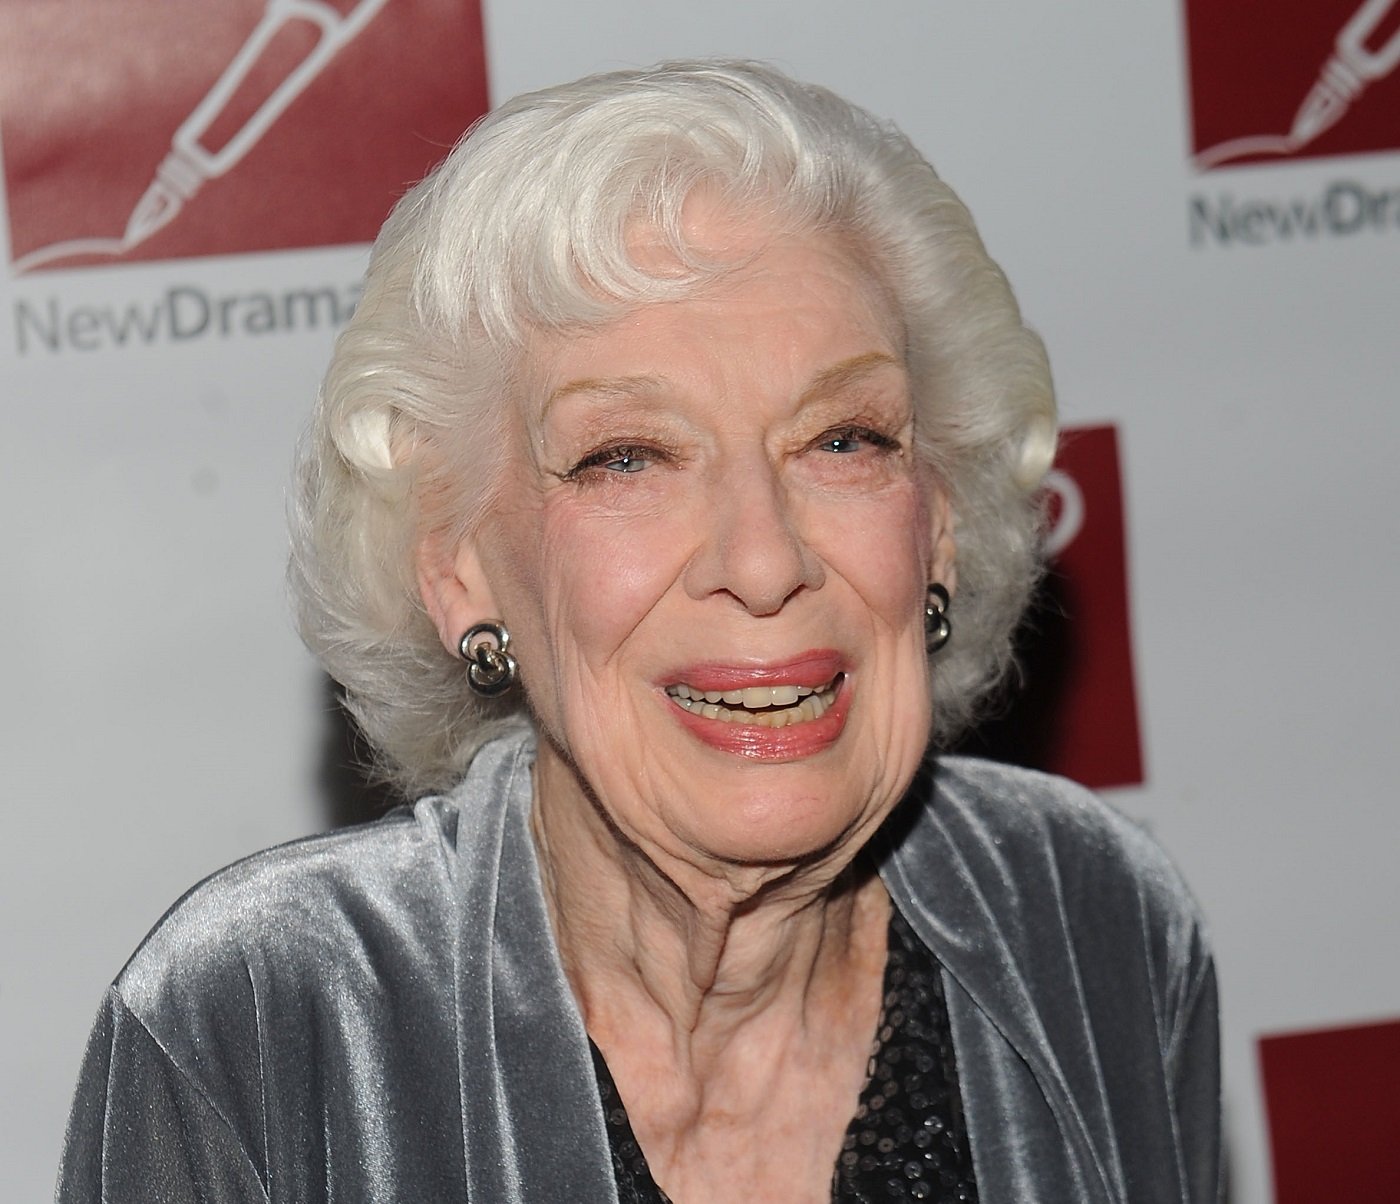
{"type": "Point", "coordinates": [671, 491]}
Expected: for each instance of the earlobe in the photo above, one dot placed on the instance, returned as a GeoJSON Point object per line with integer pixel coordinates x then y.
{"type": "Point", "coordinates": [453, 588]}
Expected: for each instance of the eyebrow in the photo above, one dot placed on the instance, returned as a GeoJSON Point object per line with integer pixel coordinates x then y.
{"type": "Point", "coordinates": [631, 388]}
{"type": "Point", "coordinates": [838, 376]}
{"type": "Point", "coordinates": [618, 388]}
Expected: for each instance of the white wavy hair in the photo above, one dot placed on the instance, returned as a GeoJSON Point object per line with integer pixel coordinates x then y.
{"type": "Point", "coordinates": [524, 227]}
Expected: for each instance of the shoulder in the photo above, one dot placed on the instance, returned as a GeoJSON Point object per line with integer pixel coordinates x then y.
{"type": "Point", "coordinates": [300, 983]}
{"type": "Point", "coordinates": [360, 913]}
{"type": "Point", "coordinates": [1031, 817]}
{"type": "Point", "coordinates": [269, 992]}
{"type": "Point", "coordinates": [309, 916]}
{"type": "Point", "coordinates": [1018, 800]}
{"type": "Point", "coordinates": [1044, 861]}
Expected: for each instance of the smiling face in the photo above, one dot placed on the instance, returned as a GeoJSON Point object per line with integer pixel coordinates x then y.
{"type": "Point", "coordinates": [712, 551]}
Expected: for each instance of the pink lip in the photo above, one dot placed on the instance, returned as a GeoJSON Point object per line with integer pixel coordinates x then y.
{"type": "Point", "coordinates": [812, 668]}
{"type": "Point", "coordinates": [758, 743]}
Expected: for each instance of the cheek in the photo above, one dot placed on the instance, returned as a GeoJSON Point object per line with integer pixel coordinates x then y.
{"type": "Point", "coordinates": [602, 575]}
{"type": "Point", "coordinates": [881, 546]}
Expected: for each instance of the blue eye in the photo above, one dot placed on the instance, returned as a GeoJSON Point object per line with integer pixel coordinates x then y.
{"type": "Point", "coordinates": [617, 458]}
{"type": "Point", "coordinates": [855, 439]}
{"type": "Point", "coordinates": [626, 460]}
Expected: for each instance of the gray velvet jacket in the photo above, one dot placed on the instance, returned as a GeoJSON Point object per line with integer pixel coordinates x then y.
{"type": "Point", "coordinates": [380, 1014]}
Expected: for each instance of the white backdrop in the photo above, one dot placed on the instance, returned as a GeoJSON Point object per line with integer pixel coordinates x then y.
{"type": "Point", "coordinates": [160, 718]}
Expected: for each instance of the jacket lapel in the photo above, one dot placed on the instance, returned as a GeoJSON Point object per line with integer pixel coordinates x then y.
{"type": "Point", "coordinates": [1028, 1067]}
{"type": "Point", "coordinates": [532, 1122]}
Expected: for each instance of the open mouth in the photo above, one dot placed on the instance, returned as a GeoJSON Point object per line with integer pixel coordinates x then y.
{"type": "Point", "coordinates": [761, 706]}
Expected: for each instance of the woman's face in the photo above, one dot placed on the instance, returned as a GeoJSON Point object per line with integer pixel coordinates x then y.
{"type": "Point", "coordinates": [712, 553]}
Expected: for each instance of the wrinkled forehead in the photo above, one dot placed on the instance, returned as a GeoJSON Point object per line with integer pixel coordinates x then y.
{"type": "Point", "coordinates": [742, 257]}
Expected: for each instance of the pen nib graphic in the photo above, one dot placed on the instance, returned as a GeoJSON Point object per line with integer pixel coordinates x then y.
{"type": "Point", "coordinates": [190, 164]}
{"type": "Point", "coordinates": [1344, 76]}
{"type": "Point", "coordinates": [155, 210]}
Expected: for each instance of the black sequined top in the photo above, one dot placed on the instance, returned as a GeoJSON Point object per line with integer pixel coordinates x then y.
{"type": "Point", "coordinates": [907, 1140]}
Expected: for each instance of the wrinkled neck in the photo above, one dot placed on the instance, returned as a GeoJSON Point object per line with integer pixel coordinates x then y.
{"type": "Point", "coordinates": [698, 956]}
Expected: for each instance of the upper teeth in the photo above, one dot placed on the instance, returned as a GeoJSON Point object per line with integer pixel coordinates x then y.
{"type": "Point", "coordinates": [772, 706]}
{"type": "Point", "coordinates": [753, 697]}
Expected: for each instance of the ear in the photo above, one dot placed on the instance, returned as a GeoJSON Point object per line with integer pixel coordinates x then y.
{"type": "Point", "coordinates": [943, 568]}
{"type": "Point", "coordinates": [453, 587]}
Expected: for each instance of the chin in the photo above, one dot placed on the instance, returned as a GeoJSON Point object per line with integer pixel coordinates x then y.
{"type": "Point", "coordinates": [778, 831]}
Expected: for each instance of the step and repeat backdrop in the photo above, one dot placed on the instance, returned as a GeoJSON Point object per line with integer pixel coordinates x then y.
{"type": "Point", "coordinates": [1199, 204]}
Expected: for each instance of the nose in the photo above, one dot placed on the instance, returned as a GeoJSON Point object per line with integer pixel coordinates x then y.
{"type": "Point", "coordinates": [751, 546]}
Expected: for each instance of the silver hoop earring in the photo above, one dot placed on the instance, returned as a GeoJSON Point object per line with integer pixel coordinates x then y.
{"type": "Point", "coordinates": [491, 669]}
{"type": "Point", "coordinates": [937, 629]}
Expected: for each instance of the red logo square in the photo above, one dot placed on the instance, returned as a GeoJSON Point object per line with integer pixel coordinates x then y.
{"type": "Point", "coordinates": [1333, 1098]}
{"type": "Point", "coordinates": [1302, 81]}
{"type": "Point", "coordinates": [184, 128]}
{"type": "Point", "coordinates": [1078, 713]}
